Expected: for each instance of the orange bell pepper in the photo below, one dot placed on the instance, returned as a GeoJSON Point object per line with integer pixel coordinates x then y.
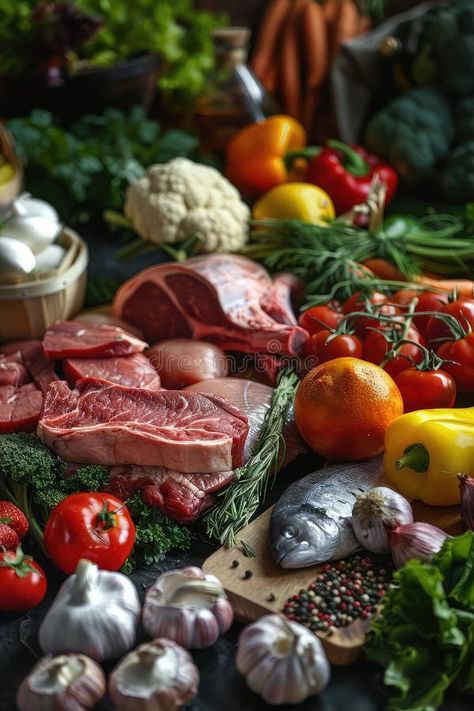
{"type": "Point", "coordinates": [256, 154]}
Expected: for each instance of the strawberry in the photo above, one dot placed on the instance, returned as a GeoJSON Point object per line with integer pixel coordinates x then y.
{"type": "Point", "coordinates": [8, 537]}
{"type": "Point", "coordinates": [13, 517]}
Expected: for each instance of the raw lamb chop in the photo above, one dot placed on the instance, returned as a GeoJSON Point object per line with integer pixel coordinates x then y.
{"type": "Point", "coordinates": [75, 339]}
{"type": "Point", "coordinates": [278, 302]}
{"type": "Point", "coordinates": [216, 298]}
{"type": "Point", "coordinates": [39, 367]}
{"type": "Point", "coordinates": [182, 362]}
{"type": "Point", "coordinates": [182, 497]}
{"type": "Point", "coordinates": [133, 371]}
{"type": "Point", "coordinates": [104, 423]}
{"type": "Point", "coordinates": [20, 408]}
{"type": "Point", "coordinates": [12, 370]}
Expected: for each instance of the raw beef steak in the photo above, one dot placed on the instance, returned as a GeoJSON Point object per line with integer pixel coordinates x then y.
{"type": "Point", "coordinates": [133, 371]}
{"type": "Point", "coordinates": [12, 370]}
{"type": "Point", "coordinates": [182, 497]}
{"type": "Point", "coordinates": [104, 423]}
{"type": "Point", "coordinates": [217, 298]}
{"type": "Point", "coordinates": [277, 303]}
{"type": "Point", "coordinates": [75, 339]}
{"type": "Point", "coordinates": [20, 408]}
{"type": "Point", "coordinates": [39, 367]}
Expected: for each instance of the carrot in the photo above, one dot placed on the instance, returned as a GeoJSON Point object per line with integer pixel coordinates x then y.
{"type": "Point", "coordinates": [346, 24]}
{"type": "Point", "coordinates": [290, 64]}
{"type": "Point", "coordinates": [465, 287]}
{"type": "Point", "coordinates": [383, 269]}
{"type": "Point", "coordinates": [331, 10]}
{"type": "Point", "coordinates": [315, 56]}
{"type": "Point", "coordinates": [365, 25]}
{"type": "Point", "coordinates": [269, 36]}
{"type": "Point", "coordinates": [270, 78]}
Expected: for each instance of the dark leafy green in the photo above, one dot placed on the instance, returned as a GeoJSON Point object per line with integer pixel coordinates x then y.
{"type": "Point", "coordinates": [424, 636]}
{"type": "Point", "coordinates": [85, 170]}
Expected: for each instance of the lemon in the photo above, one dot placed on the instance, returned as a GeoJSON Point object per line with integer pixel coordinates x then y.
{"type": "Point", "coordinates": [295, 201]}
{"type": "Point", "coordinates": [7, 172]}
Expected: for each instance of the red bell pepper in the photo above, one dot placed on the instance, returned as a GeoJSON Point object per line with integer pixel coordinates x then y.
{"type": "Point", "coordinates": [346, 172]}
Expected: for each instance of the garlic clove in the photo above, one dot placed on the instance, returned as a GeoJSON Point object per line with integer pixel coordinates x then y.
{"type": "Point", "coordinates": [36, 232]}
{"type": "Point", "coordinates": [69, 682]}
{"type": "Point", "coordinates": [157, 676]}
{"type": "Point", "coordinates": [16, 258]}
{"type": "Point", "coordinates": [419, 541]}
{"type": "Point", "coordinates": [50, 258]}
{"type": "Point", "coordinates": [187, 606]}
{"type": "Point", "coordinates": [27, 206]}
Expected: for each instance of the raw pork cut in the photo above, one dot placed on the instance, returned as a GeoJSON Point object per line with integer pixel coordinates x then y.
{"type": "Point", "coordinates": [104, 423]}
{"type": "Point", "coordinates": [12, 370]}
{"type": "Point", "coordinates": [278, 302]}
{"type": "Point", "coordinates": [182, 362]}
{"type": "Point", "coordinates": [182, 497]}
{"type": "Point", "coordinates": [75, 339]}
{"type": "Point", "coordinates": [133, 371]}
{"type": "Point", "coordinates": [20, 408]}
{"type": "Point", "coordinates": [253, 399]}
{"type": "Point", "coordinates": [216, 298]}
{"type": "Point", "coordinates": [39, 367]}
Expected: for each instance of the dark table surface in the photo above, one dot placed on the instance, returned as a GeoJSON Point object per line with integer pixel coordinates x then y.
{"type": "Point", "coordinates": [358, 687]}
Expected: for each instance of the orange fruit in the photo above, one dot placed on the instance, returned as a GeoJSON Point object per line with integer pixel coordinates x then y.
{"type": "Point", "coordinates": [343, 408]}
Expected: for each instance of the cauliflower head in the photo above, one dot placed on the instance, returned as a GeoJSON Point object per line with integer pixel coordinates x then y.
{"type": "Point", "coordinates": [181, 198]}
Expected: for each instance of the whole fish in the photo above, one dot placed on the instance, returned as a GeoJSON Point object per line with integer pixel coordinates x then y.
{"type": "Point", "coordinates": [310, 523]}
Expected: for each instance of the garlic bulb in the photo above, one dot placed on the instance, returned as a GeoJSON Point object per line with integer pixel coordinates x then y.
{"type": "Point", "coordinates": [374, 512]}
{"type": "Point", "coordinates": [282, 661]}
{"type": "Point", "coordinates": [157, 676]}
{"type": "Point", "coordinates": [187, 606]}
{"type": "Point", "coordinates": [27, 206]}
{"type": "Point", "coordinates": [69, 682]}
{"type": "Point", "coordinates": [96, 612]}
{"type": "Point", "coordinates": [417, 540]}
{"type": "Point", "coordinates": [36, 232]}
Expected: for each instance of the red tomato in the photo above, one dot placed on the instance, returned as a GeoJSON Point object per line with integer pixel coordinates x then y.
{"type": "Point", "coordinates": [324, 346]}
{"type": "Point", "coordinates": [462, 309]}
{"type": "Point", "coordinates": [425, 389]}
{"type": "Point", "coordinates": [318, 318]}
{"type": "Point", "coordinates": [93, 526]}
{"type": "Point", "coordinates": [22, 582]}
{"type": "Point", "coordinates": [357, 302]}
{"type": "Point", "coordinates": [376, 348]}
{"type": "Point", "coordinates": [462, 353]}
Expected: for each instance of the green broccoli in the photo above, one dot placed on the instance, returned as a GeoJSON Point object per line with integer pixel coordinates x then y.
{"type": "Point", "coordinates": [446, 48]}
{"type": "Point", "coordinates": [412, 132]}
{"type": "Point", "coordinates": [90, 477]}
{"type": "Point", "coordinates": [457, 178]}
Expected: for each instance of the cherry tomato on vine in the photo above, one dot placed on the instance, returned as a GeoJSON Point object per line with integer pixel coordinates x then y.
{"type": "Point", "coordinates": [324, 346]}
{"type": "Point", "coordinates": [463, 311]}
{"type": "Point", "coordinates": [376, 348]}
{"type": "Point", "coordinates": [425, 389]}
{"type": "Point", "coordinates": [377, 303]}
{"type": "Point", "coordinates": [461, 352]}
{"type": "Point", "coordinates": [22, 582]}
{"type": "Point", "coordinates": [427, 301]}
{"type": "Point", "coordinates": [318, 318]}
{"type": "Point", "coordinates": [89, 525]}
{"type": "Point", "coordinates": [357, 302]}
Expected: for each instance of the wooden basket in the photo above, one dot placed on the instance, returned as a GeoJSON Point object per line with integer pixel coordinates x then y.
{"type": "Point", "coordinates": [13, 188]}
{"type": "Point", "coordinates": [28, 308]}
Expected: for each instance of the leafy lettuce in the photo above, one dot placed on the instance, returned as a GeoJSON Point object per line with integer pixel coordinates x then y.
{"type": "Point", "coordinates": [424, 636]}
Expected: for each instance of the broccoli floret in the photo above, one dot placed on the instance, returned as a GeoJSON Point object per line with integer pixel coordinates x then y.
{"type": "Point", "coordinates": [457, 179]}
{"type": "Point", "coordinates": [91, 477]}
{"type": "Point", "coordinates": [446, 48]}
{"type": "Point", "coordinates": [413, 132]}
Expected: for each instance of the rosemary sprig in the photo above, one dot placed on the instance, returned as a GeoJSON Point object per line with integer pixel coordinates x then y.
{"type": "Point", "coordinates": [241, 499]}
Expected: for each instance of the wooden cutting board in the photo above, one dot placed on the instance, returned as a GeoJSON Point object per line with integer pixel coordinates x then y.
{"type": "Point", "coordinates": [250, 596]}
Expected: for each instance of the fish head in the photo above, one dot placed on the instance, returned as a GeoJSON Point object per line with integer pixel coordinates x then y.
{"type": "Point", "coordinates": [301, 538]}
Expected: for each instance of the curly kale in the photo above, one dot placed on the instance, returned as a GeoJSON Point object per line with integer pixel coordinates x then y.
{"type": "Point", "coordinates": [156, 535]}
{"type": "Point", "coordinates": [413, 132]}
{"type": "Point", "coordinates": [457, 178]}
{"type": "Point", "coordinates": [446, 48]}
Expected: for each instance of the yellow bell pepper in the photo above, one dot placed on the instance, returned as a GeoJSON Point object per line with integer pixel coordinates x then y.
{"type": "Point", "coordinates": [426, 450]}
{"type": "Point", "coordinates": [295, 201]}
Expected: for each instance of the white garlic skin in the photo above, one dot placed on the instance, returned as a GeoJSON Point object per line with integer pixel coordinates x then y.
{"type": "Point", "coordinates": [157, 676]}
{"type": "Point", "coordinates": [50, 258]}
{"type": "Point", "coordinates": [416, 541]}
{"type": "Point", "coordinates": [96, 612]}
{"type": "Point", "coordinates": [374, 512]}
{"type": "Point", "coordinates": [196, 620]}
{"type": "Point", "coordinates": [282, 661]}
{"type": "Point", "coordinates": [69, 682]}
{"type": "Point", "coordinates": [36, 232]}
